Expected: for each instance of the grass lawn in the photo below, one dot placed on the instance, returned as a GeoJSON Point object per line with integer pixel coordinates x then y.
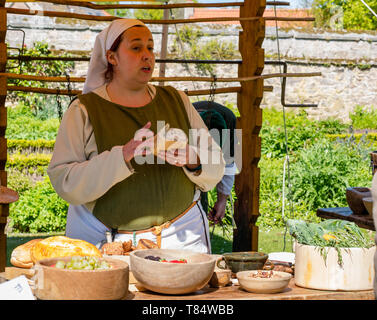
{"type": "Point", "coordinates": [268, 241]}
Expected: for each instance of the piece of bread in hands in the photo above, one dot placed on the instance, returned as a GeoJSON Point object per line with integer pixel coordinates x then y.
{"type": "Point", "coordinates": [163, 142]}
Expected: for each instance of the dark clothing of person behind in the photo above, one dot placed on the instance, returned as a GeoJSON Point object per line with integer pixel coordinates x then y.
{"type": "Point", "coordinates": [217, 116]}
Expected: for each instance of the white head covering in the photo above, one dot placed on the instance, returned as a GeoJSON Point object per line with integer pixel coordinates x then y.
{"type": "Point", "coordinates": [104, 40]}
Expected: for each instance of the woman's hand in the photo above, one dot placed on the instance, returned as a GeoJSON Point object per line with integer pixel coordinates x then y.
{"type": "Point", "coordinates": [140, 145]}
{"type": "Point", "coordinates": [217, 213]}
{"type": "Point", "coordinates": [181, 157]}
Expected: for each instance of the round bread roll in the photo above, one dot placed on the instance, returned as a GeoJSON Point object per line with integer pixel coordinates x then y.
{"type": "Point", "coordinates": [61, 246]}
{"type": "Point", "coordinates": [21, 255]}
{"type": "Point", "coordinates": [112, 248]}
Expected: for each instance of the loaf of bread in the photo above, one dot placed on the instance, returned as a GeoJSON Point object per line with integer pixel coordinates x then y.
{"type": "Point", "coordinates": [124, 248]}
{"type": "Point", "coordinates": [60, 246]}
{"type": "Point", "coordinates": [21, 255]}
{"type": "Point", "coordinates": [113, 248]}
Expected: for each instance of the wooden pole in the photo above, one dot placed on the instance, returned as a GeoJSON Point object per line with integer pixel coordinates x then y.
{"type": "Point", "coordinates": [90, 5]}
{"type": "Point", "coordinates": [62, 14]}
{"type": "Point", "coordinates": [164, 45]}
{"type": "Point", "coordinates": [245, 237]}
{"type": "Point", "coordinates": [4, 208]}
{"type": "Point", "coordinates": [77, 92]}
{"type": "Point", "coordinates": [154, 79]}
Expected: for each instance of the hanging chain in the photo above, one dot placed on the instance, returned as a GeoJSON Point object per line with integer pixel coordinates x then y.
{"type": "Point", "coordinates": [69, 87]}
{"type": "Point", "coordinates": [59, 103]}
{"type": "Point", "coordinates": [187, 67]}
{"type": "Point", "coordinates": [212, 89]}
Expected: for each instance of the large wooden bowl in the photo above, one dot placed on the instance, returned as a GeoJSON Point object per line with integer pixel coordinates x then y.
{"type": "Point", "coordinates": [64, 284]}
{"type": "Point", "coordinates": [172, 278]}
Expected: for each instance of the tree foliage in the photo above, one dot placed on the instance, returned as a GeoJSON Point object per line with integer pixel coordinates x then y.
{"type": "Point", "coordinates": [44, 106]}
{"type": "Point", "coordinates": [345, 14]}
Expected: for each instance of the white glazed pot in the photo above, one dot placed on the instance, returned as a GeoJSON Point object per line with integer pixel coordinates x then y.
{"type": "Point", "coordinates": [312, 271]}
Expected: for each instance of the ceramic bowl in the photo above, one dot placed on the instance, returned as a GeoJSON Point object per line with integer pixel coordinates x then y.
{"type": "Point", "coordinates": [172, 278]}
{"type": "Point", "coordinates": [368, 203]}
{"type": "Point", "coordinates": [244, 260]}
{"type": "Point", "coordinates": [354, 197]}
{"type": "Point", "coordinates": [64, 284]}
{"type": "Point", "coordinates": [277, 283]}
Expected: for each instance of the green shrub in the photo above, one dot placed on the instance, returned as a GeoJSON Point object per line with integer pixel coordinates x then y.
{"type": "Point", "coordinates": [364, 118]}
{"type": "Point", "coordinates": [321, 174]}
{"type": "Point", "coordinates": [368, 140]}
{"type": "Point", "coordinates": [18, 181]}
{"type": "Point", "coordinates": [29, 164]}
{"type": "Point", "coordinates": [39, 209]}
{"type": "Point", "coordinates": [300, 131]}
{"type": "Point", "coordinates": [30, 146]}
{"type": "Point", "coordinates": [271, 197]}
{"type": "Point", "coordinates": [22, 124]}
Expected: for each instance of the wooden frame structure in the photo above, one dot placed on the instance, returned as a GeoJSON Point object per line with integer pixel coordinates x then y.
{"type": "Point", "coordinates": [249, 97]}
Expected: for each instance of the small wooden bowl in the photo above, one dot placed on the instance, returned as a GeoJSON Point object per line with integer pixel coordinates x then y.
{"type": "Point", "coordinates": [220, 278]}
{"type": "Point", "coordinates": [64, 284]}
{"type": "Point", "coordinates": [277, 283]}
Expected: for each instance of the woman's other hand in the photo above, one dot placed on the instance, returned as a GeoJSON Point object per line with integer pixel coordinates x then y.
{"type": "Point", "coordinates": [140, 145]}
{"type": "Point", "coordinates": [217, 213]}
{"type": "Point", "coordinates": [181, 157]}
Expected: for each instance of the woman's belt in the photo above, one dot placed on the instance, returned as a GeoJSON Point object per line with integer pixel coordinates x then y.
{"type": "Point", "coordinates": [157, 230]}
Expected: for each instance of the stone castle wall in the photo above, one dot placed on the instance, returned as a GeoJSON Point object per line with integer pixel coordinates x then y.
{"type": "Point", "coordinates": [337, 92]}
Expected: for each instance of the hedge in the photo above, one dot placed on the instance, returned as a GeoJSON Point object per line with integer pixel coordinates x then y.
{"type": "Point", "coordinates": [29, 164]}
{"type": "Point", "coordinates": [19, 144]}
{"type": "Point", "coordinates": [357, 137]}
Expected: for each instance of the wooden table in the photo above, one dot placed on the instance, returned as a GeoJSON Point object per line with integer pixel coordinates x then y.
{"type": "Point", "coordinates": [234, 292]}
{"type": "Point", "coordinates": [345, 213]}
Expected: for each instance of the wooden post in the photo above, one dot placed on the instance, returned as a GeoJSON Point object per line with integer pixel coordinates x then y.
{"type": "Point", "coordinates": [164, 45]}
{"type": "Point", "coordinates": [245, 237]}
{"type": "Point", "coordinates": [4, 208]}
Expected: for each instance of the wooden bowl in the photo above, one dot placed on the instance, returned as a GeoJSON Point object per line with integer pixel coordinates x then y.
{"type": "Point", "coordinates": [172, 278]}
{"type": "Point", "coordinates": [368, 203]}
{"type": "Point", "coordinates": [277, 283]}
{"type": "Point", "coordinates": [354, 197]}
{"type": "Point", "coordinates": [64, 284]}
{"type": "Point", "coordinates": [220, 278]}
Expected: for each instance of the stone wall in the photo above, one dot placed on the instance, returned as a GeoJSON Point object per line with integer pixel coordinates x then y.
{"type": "Point", "coordinates": [337, 92]}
